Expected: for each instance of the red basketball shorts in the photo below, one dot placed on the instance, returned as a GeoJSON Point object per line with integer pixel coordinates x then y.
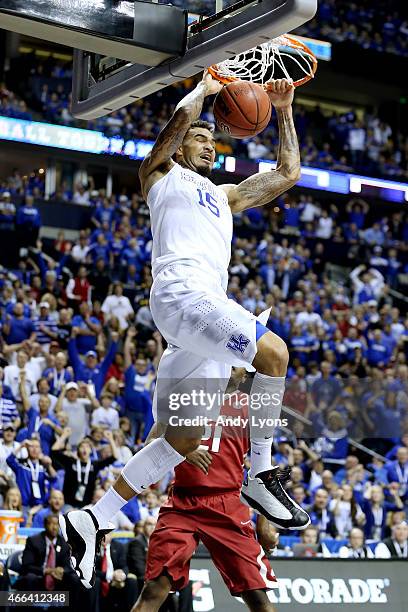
{"type": "Point", "coordinates": [222, 523]}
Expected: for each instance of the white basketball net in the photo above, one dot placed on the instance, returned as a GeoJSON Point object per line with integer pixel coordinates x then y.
{"type": "Point", "coordinates": [263, 63]}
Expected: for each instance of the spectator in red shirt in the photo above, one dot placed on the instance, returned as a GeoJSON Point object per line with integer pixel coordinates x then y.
{"type": "Point", "coordinates": [116, 370]}
{"type": "Point", "coordinates": [79, 288]}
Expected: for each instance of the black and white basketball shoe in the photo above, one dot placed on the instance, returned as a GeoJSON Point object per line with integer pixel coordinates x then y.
{"type": "Point", "coordinates": [81, 531]}
{"type": "Point", "coordinates": [266, 495]}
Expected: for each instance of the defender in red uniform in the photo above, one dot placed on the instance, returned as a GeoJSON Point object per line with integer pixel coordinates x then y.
{"type": "Point", "coordinates": [204, 504]}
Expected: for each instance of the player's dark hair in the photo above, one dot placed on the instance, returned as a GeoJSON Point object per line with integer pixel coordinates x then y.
{"type": "Point", "coordinates": [206, 125]}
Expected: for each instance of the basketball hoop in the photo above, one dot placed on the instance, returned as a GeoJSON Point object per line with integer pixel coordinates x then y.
{"type": "Point", "coordinates": [284, 57]}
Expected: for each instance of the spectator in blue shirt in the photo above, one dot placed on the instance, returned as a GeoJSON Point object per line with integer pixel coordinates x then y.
{"type": "Point", "coordinates": [333, 445]}
{"type": "Point", "coordinates": [321, 516]}
{"type": "Point", "coordinates": [40, 421]}
{"type": "Point", "coordinates": [393, 268]}
{"type": "Point", "coordinates": [104, 230]}
{"type": "Point", "coordinates": [87, 329]}
{"type": "Point", "coordinates": [280, 326]}
{"type": "Point", "coordinates": [45, 326]}
{"type": "Point", "coordinates": [100, 249]}
{"type": "Point", "coordinates": [357, 211]}
{"type": "Point", "coordinates": [397, 471]}
{"type": "Point", "coordinates": [131, 277]}
{"type": "Point", "coordinates": [24, 275]}
{"type": "Point", "coordinates": [367, 286]}
{"type": "Point", "coordinates": [43, 390]}
{"type": "Point", "coordinates": [267, 272]}
{"type": "Point", "coordinates": [374, 235]}
{"type": "Point", "coordinates": [351, 233]}
{"type": "Point", "coordinates": [117, 245]}
{"type": "Point", "coordinates": [301, 345]}
{"type": "Point", "coordinates": [55, 504]}
{"type": "Point", "coordinates": [403, 441]}
{"type": "Point", "coordinates": [22, 112]}
{"type": "Point", "coordinates": [34, 475]}
{"type": "Point", "coordinates": [18, 328]}
{"type": "Point", "coordinates": [139, 380]}
{"type": "Point", "coordinates": [327, 387]}
{"type": "Point", "coordinates": [11, 305]}
{"type": "Point", "coordinates": [378, 354]}
{"type": "Point", "coordinates": [59, 375]}
{"type": "Point", "coordinates": [376, 510]}
{"type": "Point", "coordinates": [388, 339]}
{"type": "Point", "coordinates": [353, 342]}
{"type": "Point", "coordinates": [103, 214]}
{"type": "Point", "coordinates": [350, 465]}
{"type": "Point", "coordinates": [131, 254]}
{"type": "Point", "coordinates": [8, 411]}
{"type": "Point", "coordinates": [388, 416]}
{"type": "Point", "coordinates": [291, 214]}
{"type": "Point", "coordinates": [91, 371]}
{"type": "Point", "coordinates": [28, 222]}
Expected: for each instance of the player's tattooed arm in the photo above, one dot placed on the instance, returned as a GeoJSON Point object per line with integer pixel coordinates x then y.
{"type": "Point", "coordinates": [262, 188]}
{"type": "Point", "coordinates": [172, 135]}
{"type": "Point", "coordinates": [192, 103]}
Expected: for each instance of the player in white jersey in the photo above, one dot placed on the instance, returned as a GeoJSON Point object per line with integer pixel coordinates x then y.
{"type": "Point", "coordinates": [207, 333]}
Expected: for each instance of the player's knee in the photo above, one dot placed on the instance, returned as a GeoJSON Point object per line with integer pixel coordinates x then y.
{"type": "Point", "coordinates": [272, 357]}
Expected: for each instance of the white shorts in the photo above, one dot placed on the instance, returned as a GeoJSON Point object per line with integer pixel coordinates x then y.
{"type": "Point", "coordinates": [193, 313]}
{"type": "Point", "coordinates": [207, 333]}
{"type": "Point", "coordinates": [182, 372]}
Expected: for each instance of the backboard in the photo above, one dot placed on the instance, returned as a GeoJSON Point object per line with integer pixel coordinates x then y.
{"type": "Point", "coordinates": [133, 48]}
{"type": "Point", "coordinates": [136, 31]}
{"type": "Point", "coordinates": [218, 30]}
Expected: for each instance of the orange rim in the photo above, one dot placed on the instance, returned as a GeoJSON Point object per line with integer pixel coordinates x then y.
{"type": "Point", "coordinates": [290, 42]}
{"type": "Point", "coordinates": [213, 70]}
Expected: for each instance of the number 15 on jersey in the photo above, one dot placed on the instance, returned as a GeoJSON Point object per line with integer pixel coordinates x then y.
{"type": "Point", "coordinates": [208, 201]}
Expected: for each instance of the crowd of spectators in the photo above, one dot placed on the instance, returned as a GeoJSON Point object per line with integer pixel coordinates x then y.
{"type": "Point", "coordinates": [11, 105]}
{"type": "Point", "coordinates": [380, 26]}
{"type": "Point", "coordinates": [79, 354]}
{"type": "Point", "coordinates": [18, 194]}
{"type": "Point", "coordinates": [342, 141]}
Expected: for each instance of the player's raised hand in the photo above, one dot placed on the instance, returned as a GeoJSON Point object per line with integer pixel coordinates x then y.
{"type": "Point", "coordinates": [280, 92]}
{"type": "Point", "coordinates": [212, 85]}
{"type": "Point", "coordinates": [201, 459]}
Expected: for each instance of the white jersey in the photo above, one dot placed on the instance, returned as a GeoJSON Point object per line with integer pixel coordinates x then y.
{"type": "Point", "coordinates": [191, 223]}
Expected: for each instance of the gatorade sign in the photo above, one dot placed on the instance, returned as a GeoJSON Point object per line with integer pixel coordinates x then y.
{"type": "Point", "coordinates": [334, 591]}
{"type": "Point", "coordinates": [321, 584]}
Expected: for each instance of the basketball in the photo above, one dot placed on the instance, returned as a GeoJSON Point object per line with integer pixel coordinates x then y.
{"type": "Point", "coordinates": [242, 109]}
